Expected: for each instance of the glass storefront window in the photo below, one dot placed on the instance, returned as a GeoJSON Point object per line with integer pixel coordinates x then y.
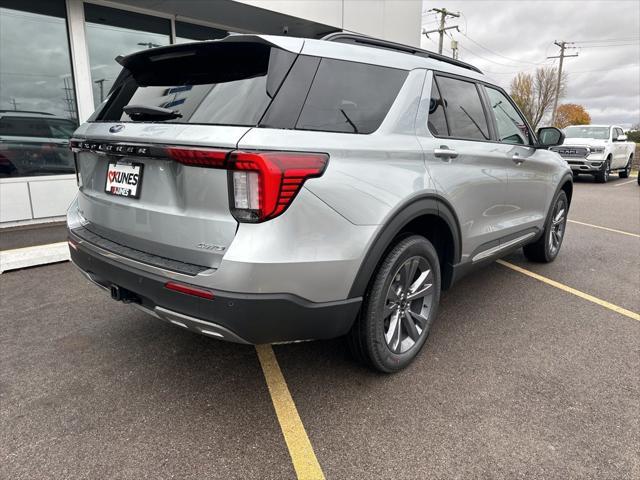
{"type": "Point", "coordinates": [190, 32]}
{"type": "Point", "coordinates": [37, 97]}
{"type": "Point", "coordinates": [112, 32]}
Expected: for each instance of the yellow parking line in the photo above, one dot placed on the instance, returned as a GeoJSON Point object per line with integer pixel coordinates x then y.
{"type": "Point", "coordinates": [578, 293]}
{"type": "Point", "coordinates": [303, 457]}
{"type": "Point", "coordinates": [605, 228]}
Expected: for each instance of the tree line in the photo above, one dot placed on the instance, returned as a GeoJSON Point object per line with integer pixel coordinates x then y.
{"type": "Point", "coordinates": [535, 94]}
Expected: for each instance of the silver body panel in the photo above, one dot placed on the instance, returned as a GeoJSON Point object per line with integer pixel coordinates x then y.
{"type": "Point", "coordinates": [317, 247]}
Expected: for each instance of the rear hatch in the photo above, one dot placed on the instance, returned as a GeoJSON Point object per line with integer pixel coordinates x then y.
{"type": "Point", "coordinates": [144, 158]}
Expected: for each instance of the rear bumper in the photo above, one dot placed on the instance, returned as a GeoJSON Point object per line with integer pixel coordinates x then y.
{"type": "Point", "coordinates": [244, 318]}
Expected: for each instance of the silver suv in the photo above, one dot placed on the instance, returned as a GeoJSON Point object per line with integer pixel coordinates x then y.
{"type": "Point", "coordinates": [272, 189]}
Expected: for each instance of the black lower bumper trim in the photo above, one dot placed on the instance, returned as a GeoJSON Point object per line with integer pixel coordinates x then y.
{"type": "Point", "coordinates": [254, 318]}
{"type": "Point", "coordinates": [154, 260]}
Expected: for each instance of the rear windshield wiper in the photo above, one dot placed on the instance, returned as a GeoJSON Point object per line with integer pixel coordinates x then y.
{"type": "Point", "coordinates": [349, 121]}
{"type": "Point", "coordinates": [140, 113]}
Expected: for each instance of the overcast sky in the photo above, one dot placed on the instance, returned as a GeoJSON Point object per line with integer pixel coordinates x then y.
{"type": "Point", "coordinates": [505, 37]}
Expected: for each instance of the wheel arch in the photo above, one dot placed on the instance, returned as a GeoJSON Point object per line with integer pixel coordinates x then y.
{"type": "Point", "coordinates": [567, 185]}
{"type": "Point", "coordinates": [430, 216]}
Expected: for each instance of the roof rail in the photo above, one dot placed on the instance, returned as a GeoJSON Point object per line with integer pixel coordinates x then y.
{"type": "Point", "coordinates": [343, 37]}
{"type": "Point", "coordinates": [25, 111]}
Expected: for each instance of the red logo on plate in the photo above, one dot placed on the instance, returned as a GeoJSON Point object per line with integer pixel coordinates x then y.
{"type": "Point", "coordinates": [112, 175]}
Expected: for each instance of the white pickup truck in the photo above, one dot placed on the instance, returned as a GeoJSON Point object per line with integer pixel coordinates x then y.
{"type": "Point", "coordinates": [597, 150]}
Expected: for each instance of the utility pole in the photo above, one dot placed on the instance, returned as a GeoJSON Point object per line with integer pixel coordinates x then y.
{"type": "Point", "coordinates": [101, 83]}
{"type": "Point", "coordinates": [68, 98]}
{"type": "Point", "coordinates": [14, 103]}
{"type": "Point", "coordinates": [444, 13]}
{"type": "Point", "coordinates": [563, 46]}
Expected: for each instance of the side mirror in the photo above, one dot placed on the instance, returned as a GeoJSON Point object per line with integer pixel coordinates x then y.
{"type": "Point", "coordinates": [621, 138]}
{"type": "Point", "coordinates": [549, 137]}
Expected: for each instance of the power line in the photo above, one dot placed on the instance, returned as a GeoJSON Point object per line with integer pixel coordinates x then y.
{"type": "Point", "coordinates": [608, 40]}
{"type": "Point", "coordinates": [609, 45]}
{"type": "Point", "coordinates": [498, 54]}
{"type": "Point", "coordinates": [467, 49]}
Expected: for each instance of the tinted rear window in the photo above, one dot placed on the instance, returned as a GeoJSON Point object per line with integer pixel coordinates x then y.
{"type": "Point", "coordinates": [237, 83]}
{"type": "Point", "coordinates": [350, 97]}
{"type": "Point", "coordinates": [233, 87]}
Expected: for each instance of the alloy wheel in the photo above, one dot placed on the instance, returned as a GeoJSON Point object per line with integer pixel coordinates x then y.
{"type": "Point", "coordinates": [557, 227]}
{"type": "Point", "coordinates": [408, 304]}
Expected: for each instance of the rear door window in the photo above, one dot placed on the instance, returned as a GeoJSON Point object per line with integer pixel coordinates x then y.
{"type": "Point", "coordinates": [463, 107]}
{"type": "Point", "coordinates": [350, 97]}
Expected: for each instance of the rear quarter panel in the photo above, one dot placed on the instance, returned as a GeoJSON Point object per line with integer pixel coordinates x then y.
{"type": "Point", "coordinates": [368, 176]}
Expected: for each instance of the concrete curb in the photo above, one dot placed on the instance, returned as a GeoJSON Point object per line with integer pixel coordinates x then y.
{"type": "Point", "coordinates": [32, 256]}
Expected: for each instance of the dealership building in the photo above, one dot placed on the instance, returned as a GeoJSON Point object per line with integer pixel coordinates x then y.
{"type": "Point", "coordinates": [57, 64]}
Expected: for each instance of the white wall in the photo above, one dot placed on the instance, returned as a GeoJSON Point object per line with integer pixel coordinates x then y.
{"type": "Point", "coordinates": [35, 199]}
{"type": "Point", "coordinates": [396, 20]}
{"type": "Point", "coordinates": [328, 12]}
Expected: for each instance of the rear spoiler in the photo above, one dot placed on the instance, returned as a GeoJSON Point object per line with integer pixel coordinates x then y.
{"type": "Point", "coordinates": [293, 45]}
{"type": "Point", "coordinates": [146, 61]}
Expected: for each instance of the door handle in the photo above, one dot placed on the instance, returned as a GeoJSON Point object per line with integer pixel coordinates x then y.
{"type": "Point", "coordinates": [517, 159]}
{"type": "Point", "coordinates": [444, 152]}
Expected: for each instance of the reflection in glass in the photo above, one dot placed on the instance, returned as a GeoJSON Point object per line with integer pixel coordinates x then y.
{"type": "Point", "coordinates": [510, 125]}
{"type": "Point", "coordinates": [190, 32]}
{"type": "Point", "coordinates": [112, 32]}
{"type": "Point", "coordinates": [37, 97]}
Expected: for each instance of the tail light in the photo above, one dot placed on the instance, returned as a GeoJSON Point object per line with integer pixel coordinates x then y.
{"type": "Point", "coordinates": [263, 184]}
{"type": "Point", "coordinates": [199, 157]}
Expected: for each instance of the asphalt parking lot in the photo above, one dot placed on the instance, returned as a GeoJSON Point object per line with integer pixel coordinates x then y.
{"type": "Point", "coordinates": [519, 379]}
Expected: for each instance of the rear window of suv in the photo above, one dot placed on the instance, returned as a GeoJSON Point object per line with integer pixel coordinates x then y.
{"type": "Point", "coordinates": [248, 84]}
{"type": "Point", "coordinates": [220, 86]}
{"type": "Point", "coordinates": [350, 97]}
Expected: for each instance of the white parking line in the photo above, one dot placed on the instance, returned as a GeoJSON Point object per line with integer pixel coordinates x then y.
{"type": "Point", "coordinates": [625, 183]}
{"type": "Point", "coordinates": [622, 232]}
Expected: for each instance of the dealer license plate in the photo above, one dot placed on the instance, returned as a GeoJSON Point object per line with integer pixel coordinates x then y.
{"type": "Point", "coordinates": [124, 179]}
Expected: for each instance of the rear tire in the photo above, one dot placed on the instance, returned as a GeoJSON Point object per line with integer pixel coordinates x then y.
{"type": "Point", "coordinates": [399, 306]}
{"type": "Point", "coordinates": [603, 175]}
{"type": "Point", "coordinates": [627, 169]}
{"type": "Point", "coordinates": [546, 248]}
